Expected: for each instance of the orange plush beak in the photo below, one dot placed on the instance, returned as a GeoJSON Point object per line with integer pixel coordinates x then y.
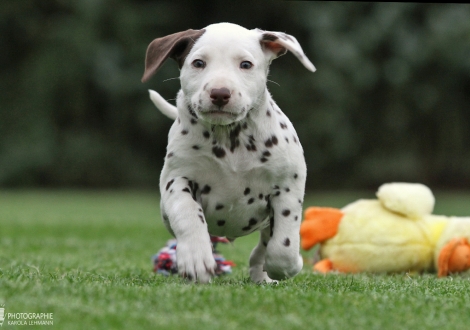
{"type": "Point", "coordinates": [320, 224]}
{"type": "Point", "coordinates": [454, 257]}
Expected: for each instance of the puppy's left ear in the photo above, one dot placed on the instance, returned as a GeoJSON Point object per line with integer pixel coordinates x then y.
{"type": "Point", "coordinates": [278, 43]}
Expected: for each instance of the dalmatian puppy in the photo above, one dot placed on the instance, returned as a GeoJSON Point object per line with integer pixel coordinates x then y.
{"type": "Point", "coordinates": [234, 163]}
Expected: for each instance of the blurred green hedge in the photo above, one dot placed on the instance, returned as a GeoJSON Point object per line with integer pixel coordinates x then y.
{"type": "Point", "coordinates": [390, 100]}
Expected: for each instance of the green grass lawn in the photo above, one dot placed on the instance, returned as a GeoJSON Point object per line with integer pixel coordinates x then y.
{"type": "Point", "coordinates": [86, 258]}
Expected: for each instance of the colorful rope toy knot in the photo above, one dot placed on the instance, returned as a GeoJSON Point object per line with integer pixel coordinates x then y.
{"type": "Point", "coordinates": [164, 262]}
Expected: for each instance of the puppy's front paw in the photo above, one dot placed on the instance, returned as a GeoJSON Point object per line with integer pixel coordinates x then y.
{"type": "Point", "coordinates": [278, 269]}
{"type": "Point", "coordinates": [260, 276]}
{"type": "Point", "coordinates": [195, 261]}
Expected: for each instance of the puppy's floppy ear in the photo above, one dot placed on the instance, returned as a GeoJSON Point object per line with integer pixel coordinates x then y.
{"type": "Point", "coordinates": [176, 46]}
{"type": "Point", "coordinates": [278, 43]}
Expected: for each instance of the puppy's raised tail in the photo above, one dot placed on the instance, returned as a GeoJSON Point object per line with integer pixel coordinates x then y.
{"type": "Point", "coordinates": [166, 108]}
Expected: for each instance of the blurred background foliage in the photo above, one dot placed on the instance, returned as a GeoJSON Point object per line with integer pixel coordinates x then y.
{"type": "Point", "coordinates": [389, 101]}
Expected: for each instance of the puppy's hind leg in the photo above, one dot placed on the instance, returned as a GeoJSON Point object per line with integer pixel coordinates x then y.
{"type": "Point", "coordinates": [257, 259]}
{"type": "Point", "coordinates": [283, 259]}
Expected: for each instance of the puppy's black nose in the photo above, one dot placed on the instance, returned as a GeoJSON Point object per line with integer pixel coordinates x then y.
{"type": "Point", "coordinates": [220, 96]}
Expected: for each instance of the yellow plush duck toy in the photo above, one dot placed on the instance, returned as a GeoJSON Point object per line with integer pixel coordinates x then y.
{"type": "Point", "coordinates": [394, 233]}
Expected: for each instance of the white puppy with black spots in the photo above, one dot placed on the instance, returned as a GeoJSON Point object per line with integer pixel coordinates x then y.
{"type": "Point", "coordinates": [234, 163]}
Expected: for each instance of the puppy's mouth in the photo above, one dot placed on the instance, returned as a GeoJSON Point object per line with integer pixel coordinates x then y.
{"type": "Point", "coordinates": [219, 116]}
{"type": "Point", "coordinates": [220, 113]}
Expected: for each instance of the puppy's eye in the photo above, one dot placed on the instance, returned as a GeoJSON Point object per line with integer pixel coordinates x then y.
{"type": "Point", "coordinates": [200, 64]}
{"type": "Point", "coordinates": [246, 65]}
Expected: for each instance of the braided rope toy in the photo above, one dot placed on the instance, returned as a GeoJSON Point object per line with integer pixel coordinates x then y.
{"type": "Point", "coordinates": [164, 262]}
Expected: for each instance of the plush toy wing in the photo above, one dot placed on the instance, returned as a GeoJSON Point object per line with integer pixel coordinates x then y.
{"type": "Point", "coordinates": [412, 200]}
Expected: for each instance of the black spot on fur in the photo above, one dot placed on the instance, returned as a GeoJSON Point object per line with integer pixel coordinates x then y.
{"type": "Point", "coordinates": [265, 244]}
{"type": "Point", "coordinates": [247, 191]}
{"type": "Point", "coordinates": [220, 222]}
{"type": "Point", "coordinates": [300, 202]}
{"type": "Point", "coordinates": [206, 189]}
{"type": "Point", "coordinates": [296, 217]}
{"type": "Point", "coordinates": [271, 225]}
{"type": "Point", "coordinates": [218, 152]}
{"type": "Point", "coordinates": [206, 134]}
{"type": "Point", "coordinates": [236, 131]}
{"type": "Point", "coordinates": [193, 121]}
{"type": "Point", "coordinates": [251, 223]}
{"type": "Point", "coordinates": [266, 154]}
{"type": "Point", "coordinates": [295, 140]}
{"type": "Point", "coordinates": [283, 126]}
{"type": "Point", "coordinates": [168, 185]}
{"type": "Point", "coordinates": [194, 186]}
{"type": "Point", "coordinates": [264, 159]}
{"type": "Point", "coordinates": [187, 190]}
{"type": "Point", "coordinates": [170, 154]}
{"type": "Point", "coordinates": [268, 113]}
{"type": "Point", "coordinates": [250, 146]}
{"type": "Point", "coordinates": [286, 242]}
{"type": "Point", "coordinates": [191, 112]}
{"type": "Point", "coordinates": [234, 142]}
{"type": "Point", "coordinates": [260, 196]}
{"type": "Point", "coordinates": [287, 140]}
{"type": "Point", "coordinates": [219, 207]}
{"type": "Point", "coordinates": [184, 132]}
{"type": "Point", "coordinates": [277, 193]}
{"type": "Point", "coordinates": [286, 212]}
{"type": "Point", "coordinates": [201, 217]}
{"type": "Point", "coordinates": [295, 176]}
{"type": "Point", "coordinates": [251, 200]}
{"type": "Point", "coordinates": [245, 125]}
{"type": "Point", "coordinates": [196, 147]}
{"type": "Point", "coordinates": [271, 141]}
{"type": "Point", "coordinates": [287, 189]}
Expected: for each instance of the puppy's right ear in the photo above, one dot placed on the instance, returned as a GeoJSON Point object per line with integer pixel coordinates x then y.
{"type": "Point", "coordinates": [176, 46]}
